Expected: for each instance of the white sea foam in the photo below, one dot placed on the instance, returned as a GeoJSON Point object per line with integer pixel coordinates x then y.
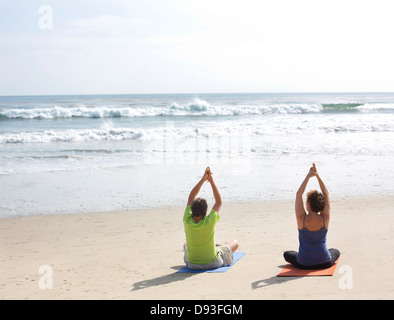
{"type": "Point", "coordinates": [71, 135]}
{"type": "Point", "coordinates": [370, 107]}
{"type": "Point", "coordinates": [197, 107]}
{"type": "Point", "coordinates": [274, 127]}
{"type": "Point", "coordinates": [74, 112]}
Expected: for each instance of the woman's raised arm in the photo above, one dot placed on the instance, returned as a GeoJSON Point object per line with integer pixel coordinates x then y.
{"type": "Point", "coordinates": [299, 203]}
{"type": "Point", "coordinates": [327, 207]}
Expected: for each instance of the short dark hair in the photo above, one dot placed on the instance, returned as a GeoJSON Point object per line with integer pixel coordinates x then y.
{"type": "Point", "coordinates": [316, 200]}
{"type": "Point", "coordinates": [199, 207]}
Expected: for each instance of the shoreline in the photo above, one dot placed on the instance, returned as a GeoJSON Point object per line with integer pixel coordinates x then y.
{"type": "Point", "coordinates": [131, 187]}
{"type": "Point", "coordinates": [134, 254]}
{"type": "Point", "coordinates": [178, 206]}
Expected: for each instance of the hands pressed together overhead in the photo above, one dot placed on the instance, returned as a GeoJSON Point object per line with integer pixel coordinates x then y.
{"type": "Point", "coordinates": [207, 175]}
{"type": "Point", "coordinates": [312, 171]}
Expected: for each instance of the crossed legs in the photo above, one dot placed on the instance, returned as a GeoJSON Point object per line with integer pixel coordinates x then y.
{"type": "Point", "coordinates": [291, 257]}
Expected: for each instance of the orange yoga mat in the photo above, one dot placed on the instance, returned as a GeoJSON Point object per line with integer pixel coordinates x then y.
{"type": "Point", "coordinates": [291, 271]}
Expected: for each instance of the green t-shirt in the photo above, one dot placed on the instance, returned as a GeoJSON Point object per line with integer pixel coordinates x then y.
{"type": "Point", "coordinates": [200, 237]}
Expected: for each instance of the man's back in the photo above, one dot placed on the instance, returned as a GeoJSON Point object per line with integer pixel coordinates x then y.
{"type": "Point", "coordinates": [200, 237]}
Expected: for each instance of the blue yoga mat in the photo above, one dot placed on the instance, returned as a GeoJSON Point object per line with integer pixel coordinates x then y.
{"type": "Point", "coordinates": [236, 257]}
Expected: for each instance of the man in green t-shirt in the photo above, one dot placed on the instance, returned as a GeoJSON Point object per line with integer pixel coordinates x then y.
{"type": "Point", "coordinates": [200, 249]}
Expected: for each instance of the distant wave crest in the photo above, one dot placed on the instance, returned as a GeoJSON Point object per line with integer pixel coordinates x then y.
{"type": "Point", "coordinates": [195, 108]}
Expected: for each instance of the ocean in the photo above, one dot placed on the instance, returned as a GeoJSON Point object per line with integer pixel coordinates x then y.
{"type": "Point", "coordinates": [92, 153]}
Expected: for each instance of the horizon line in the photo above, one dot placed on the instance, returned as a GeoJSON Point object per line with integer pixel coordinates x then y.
{"type": "Point", "coordinates": [191, 93]}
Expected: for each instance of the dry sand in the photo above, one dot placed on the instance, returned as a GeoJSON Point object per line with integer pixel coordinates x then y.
{"type": "Point", "coordinates": [135, 254]}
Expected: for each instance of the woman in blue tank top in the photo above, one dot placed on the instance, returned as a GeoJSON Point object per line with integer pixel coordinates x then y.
{"type": "Point", "coordinates": [312, 228]}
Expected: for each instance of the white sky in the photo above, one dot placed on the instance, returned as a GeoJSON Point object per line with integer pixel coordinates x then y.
{"type": "Point", "coordinates": [181, 46]}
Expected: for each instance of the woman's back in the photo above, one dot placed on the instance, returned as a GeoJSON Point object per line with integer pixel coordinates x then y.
{"type": "Point", "coordinates": [313, 243]}
{"type": "Point", "coordinates": [314, 222]}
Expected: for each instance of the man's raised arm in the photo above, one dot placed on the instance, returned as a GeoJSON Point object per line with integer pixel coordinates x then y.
{"type": "Point", "coordinates": [193, 194]}
{"type": "Point", "coordinates": [216, 193]}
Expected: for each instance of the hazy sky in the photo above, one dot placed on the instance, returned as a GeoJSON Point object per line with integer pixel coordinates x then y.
{"type": "Point", "coordinates": [168, 46]}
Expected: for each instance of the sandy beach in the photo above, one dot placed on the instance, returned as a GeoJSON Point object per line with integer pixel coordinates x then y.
{"type": "Point", "coordinates": [135, 254]}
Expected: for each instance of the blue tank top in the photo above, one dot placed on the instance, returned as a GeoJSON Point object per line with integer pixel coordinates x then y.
{"type": "Point", "coordinates": [313, 246]}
